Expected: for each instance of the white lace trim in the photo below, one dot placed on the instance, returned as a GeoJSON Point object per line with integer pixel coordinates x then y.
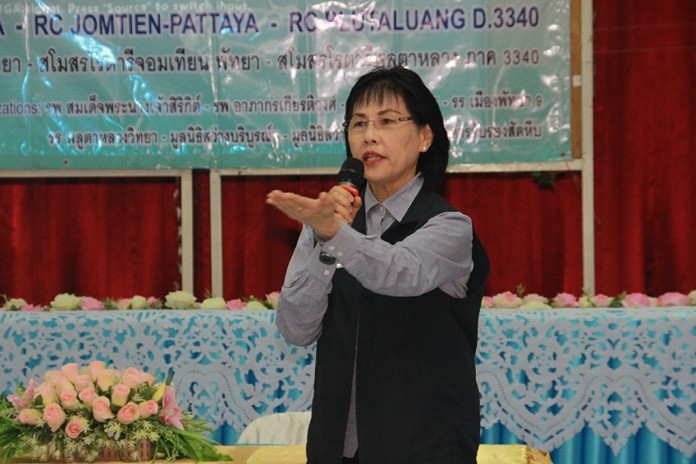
{"type": "Point", "coordinates": [546, 375]}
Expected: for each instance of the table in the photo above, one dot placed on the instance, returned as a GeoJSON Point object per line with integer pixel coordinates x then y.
{"type": "Point", "coordinates": [488, 454]}
{"type": "Point", "coordinates": [295, 454]}
{"type": "Point", "coordinates": [595, 386]}
{"type": "Point", "coordinates": [590, 385]}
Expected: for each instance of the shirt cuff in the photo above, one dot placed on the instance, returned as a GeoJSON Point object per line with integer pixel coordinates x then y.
{"type": "Point", "coordinates": [318, 268]}
{"type": "Point", "coordinates": [343, 244]}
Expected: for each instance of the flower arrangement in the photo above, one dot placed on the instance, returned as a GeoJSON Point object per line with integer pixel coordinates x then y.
{"type": "Point", "coordinates": [173, 300]}
{"type": "Point", "coordinates": [255, 304]}
{"type": "Point", "coordinates": [78, 412]}
{"type": "Point", "coordinates": [185, 300]}
{"type": "Point", "coordinates": [521, 300]}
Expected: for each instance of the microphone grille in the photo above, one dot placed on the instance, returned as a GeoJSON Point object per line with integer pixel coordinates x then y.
{"type": "Point", "coordinates": [352, 172]}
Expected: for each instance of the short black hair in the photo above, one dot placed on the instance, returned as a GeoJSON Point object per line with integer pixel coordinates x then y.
{"type": "Point", "coordinates": [398, 81]}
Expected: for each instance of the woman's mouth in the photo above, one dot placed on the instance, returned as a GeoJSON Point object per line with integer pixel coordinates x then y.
{"type": "Point", "coordinates": [371, 157]}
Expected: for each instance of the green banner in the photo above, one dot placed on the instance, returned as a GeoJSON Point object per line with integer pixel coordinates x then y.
{"type": "Point", "coordinates": [230, 84]}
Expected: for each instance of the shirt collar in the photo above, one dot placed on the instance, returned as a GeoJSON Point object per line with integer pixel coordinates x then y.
{"type": "Point", "coordinates": [397, 204]}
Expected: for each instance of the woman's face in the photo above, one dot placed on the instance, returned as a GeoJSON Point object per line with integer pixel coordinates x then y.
{"type": "Point", "coordinates": [388, 146]}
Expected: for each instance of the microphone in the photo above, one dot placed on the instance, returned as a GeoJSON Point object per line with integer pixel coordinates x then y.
{"type": "Point", "coordinates": [352, 175]}
{"type": "Point", "coordinates": [352, 178]}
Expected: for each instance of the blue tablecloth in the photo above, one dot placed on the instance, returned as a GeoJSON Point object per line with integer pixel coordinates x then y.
{"type": "Point", "coordinates": [592, 386]}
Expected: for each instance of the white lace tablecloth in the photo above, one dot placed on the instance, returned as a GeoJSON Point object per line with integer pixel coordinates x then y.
{"type": "Point", "coordinates": [548, 374]}
{"type": "Point", "coordinates": [545, 375]}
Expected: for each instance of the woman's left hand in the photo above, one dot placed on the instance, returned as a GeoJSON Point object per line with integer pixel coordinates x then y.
{"type": "Point", "coordinates": [318, 213]}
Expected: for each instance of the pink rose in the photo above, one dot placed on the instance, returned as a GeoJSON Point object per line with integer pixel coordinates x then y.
{"type": "Point", "coordinates": [601, 300]}
{"type": "Point", "coordinates": [123, 303]}
{"type": "Point", "coordinates": [487, 302]}
{"type": "Point", "coordinates": [273, 298]}
{"type": "Point", "coordinates": [507, 300]}
{"type": "Point", "coordinates": [95, 368]}
{"type": "Point", "coordinates": [119, 395]}
{"type": "Point", "coordinates": [54, 416]}
{"type": "Point", "coordinates": [237, 303]}
{"type": "Point", "coordinates": [70, 371]}
{"type": "Point", "coordinates": [29, 416]}
{"type": "Point", "coordinates": [101, 409]}
{"type": "Point", "coordinates": [673, 299]}
{"type": "Point", "coordinates": [636, 300]}
{"type": "Point", "coordinates": [68, 398]}
{"type": "Point", "coordinates": [88, 395]}
{"type": "Point", "coordinates": [148, 408]}
{"type": "Point", "coordinates": [76, 426]}
{"type": "Point", "coordinates": [82, 381]}
{"type": "Point", "coordinates": [565, 300]}
{"type": "Point", "coordinates": [131, 377]}
{"type": "Point", "coordinates": [30, 308]}
{"type": "Point", "coordinates": [91, 304]}
{"type": "Point", "coordinates": [128, 414]}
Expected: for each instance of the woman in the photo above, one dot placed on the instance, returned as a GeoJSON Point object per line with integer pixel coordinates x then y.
{"type": "Point", "coordinates": [389, 284]}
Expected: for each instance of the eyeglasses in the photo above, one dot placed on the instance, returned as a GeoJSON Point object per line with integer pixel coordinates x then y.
{"type": "Point", "coordinates": [359, 126]}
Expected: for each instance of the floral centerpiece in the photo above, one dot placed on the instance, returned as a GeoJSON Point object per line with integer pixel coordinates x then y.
{"type": "Point", "coordinates": [519, 299]}
{"type": "Point", "coordinates": [78, 412]}
{"type": "Point", "coordinates": [173, 300]}
{"type": "Point", "coordinates": [522, 300]}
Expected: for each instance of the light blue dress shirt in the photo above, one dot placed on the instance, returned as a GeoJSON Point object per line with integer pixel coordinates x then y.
{"type": "Point", "coordinates": [438, 255]}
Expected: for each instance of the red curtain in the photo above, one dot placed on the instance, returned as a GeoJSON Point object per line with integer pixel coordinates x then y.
{"type": "Point", "coordinates": [645, 145]}
{"type": "Point", "coordinates": [100, 238]}
{"type": "Point", "coordinates": [119, 237]}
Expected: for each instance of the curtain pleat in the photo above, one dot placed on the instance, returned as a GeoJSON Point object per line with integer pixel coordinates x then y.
{"type": "Point", "coordinates": [645, 60]}
{"type": "Point", "coordinates": [95, 237]}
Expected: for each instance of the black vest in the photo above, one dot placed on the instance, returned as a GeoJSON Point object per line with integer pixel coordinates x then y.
{"type": "Point", "coordinates": [417, 397]}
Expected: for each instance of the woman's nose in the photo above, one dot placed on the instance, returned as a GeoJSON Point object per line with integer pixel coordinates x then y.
{"type": "Point", "coordinates": [371, 132]}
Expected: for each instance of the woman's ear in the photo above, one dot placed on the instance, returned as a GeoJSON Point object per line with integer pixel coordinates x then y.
{"type": "Point", "coordinates": [426, 138]}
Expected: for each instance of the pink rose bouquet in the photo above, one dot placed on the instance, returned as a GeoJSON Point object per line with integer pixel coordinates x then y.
{"type": "Point", "coordinates": [77, 412]}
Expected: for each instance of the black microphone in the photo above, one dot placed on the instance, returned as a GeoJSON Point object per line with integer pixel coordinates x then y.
{"type": "Point", "coordinates": [352, 175]}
